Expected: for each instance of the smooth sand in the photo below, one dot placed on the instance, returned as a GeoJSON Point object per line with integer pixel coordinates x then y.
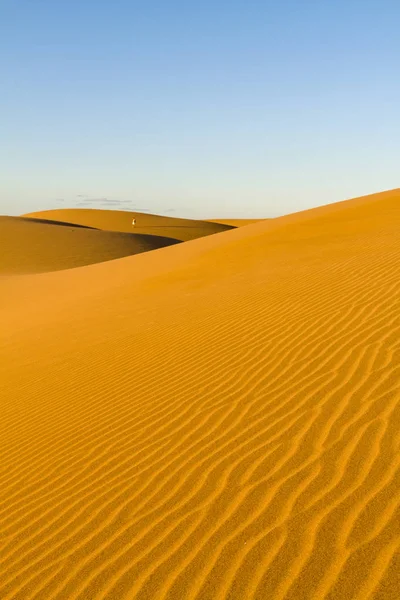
{"type": "Point", "coordinates": [121, 220]}
{"type": "Point", "coordinates": [218, 419]}
{"type": "Point", "coordinates": [235, 222]}
{"type": "Point", "coordinates": [30, 246]}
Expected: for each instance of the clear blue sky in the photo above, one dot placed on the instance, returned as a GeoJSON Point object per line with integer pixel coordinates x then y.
{"type": "Point", "coordinates": [242, 108]}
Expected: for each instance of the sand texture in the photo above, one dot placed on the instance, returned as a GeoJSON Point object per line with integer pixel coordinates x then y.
{"type": "Point", "coordinates": [34, 246]}
{"type": "Point", "coordinates": [120, 220]}
{"type": "Point", "coordinates": [235, 222]}
{"type": "Point", "coordinates": [218, 419]}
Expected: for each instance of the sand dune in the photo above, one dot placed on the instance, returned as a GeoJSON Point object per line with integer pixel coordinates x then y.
{"type": "Point", "coordinates": [235, 222]}
{"type": "Point", "coordinates": [37, 246]}
{"type": "Point", "coordinates": [119, 220]}
{"type": "Point", "coordinates": [215, 420]}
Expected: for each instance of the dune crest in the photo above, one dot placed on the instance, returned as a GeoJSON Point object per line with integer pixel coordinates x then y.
{"type": "Point", "coordinates": [215, 420]}
{"type": "Point", "coordinates": [37, 246]}
{"type": "Point", "coordinates": [146, 223]}
{"type": "Point", "coordinates": [235, 222]}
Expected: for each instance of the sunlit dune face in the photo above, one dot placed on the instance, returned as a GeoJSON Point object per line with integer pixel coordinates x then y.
{"type": "Point", "coordinates": [213, 420]}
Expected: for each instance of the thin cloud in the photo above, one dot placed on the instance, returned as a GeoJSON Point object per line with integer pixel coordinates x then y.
{"type": "Point", "coordinates": [109, 201]}
{"type": "Point", "coordinates": [104, 203]}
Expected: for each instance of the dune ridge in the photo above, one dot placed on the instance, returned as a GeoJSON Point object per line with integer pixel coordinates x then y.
{"type": "Point", "coordinates": [37, 246]}
{"type": "Point", "coordinates": [146, 223]}
{"type": "Point", "coordinates": [235, 222]}
{"type": "Point", "coordinates": [220, 420]}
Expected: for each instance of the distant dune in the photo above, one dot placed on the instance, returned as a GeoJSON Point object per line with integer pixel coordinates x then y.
{"type": "Point", "coordinates": [119, 220]}
{"type": "Point", "coordinates": [214, 420]}
{"type": "Point", "coordinates": [235, 222]}
{"type": "Point", "coordinates": [30, 246]}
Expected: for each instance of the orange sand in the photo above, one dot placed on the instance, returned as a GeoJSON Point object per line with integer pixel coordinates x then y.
{"type": "Point", "coordinates": [235, 222]}
{"type": "Point", "coordinates": [218, 419]}
{"type": "Point", "coordinates": [31, 246]}
{"type": "Point", "coordinates": [120, 220]}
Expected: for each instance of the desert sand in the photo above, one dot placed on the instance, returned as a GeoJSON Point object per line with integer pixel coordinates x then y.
{"type": "Point", "coordinates": [215, 419]}
{"type": "Point", "coordinates": [121, 221]}
{"type": "Point", "coordinates": [235, 222]}
{"type": "Point", "coordinates": [34, 246]}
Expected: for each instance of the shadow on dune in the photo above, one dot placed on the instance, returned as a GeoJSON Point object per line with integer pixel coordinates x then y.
{"type": "Point", "coordinates": [38, 246]}
{"type": "Point", "coordinates": [53, 222]}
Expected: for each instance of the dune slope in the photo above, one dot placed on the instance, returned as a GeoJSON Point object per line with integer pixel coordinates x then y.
{"type": "Point", "coordinates": [119, 220]}
{"type": "Point", "coordinates": [35, 246]}
{"type": "Point", "coordinates": [235, 222]}
{"type": "Point", "coordinates": [216, 420]}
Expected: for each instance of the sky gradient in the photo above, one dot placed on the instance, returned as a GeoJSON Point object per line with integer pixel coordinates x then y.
{"type": "Point", "coordinates": [208, 109]}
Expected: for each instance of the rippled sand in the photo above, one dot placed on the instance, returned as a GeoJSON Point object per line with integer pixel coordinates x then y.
{"type": "Point", "coordinates": [216, 419]}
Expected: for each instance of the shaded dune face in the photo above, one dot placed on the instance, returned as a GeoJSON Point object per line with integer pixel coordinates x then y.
{"type": "Point", "coordinates": [37, 246]}
{"type": "Point", "coordinates": [118, 220]}
{"type": "Point", "coordinates": [53, 222]}
{"type": "Point", "coordinates": [215, 420]}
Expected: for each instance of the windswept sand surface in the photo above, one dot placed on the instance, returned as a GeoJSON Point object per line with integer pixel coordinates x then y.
{"type": "Point", "coordinates": [218, 419]}
{"type": "Point", "coordinates": [121, 220]}
{"type": "Point", "coordinates": [30, 246]}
